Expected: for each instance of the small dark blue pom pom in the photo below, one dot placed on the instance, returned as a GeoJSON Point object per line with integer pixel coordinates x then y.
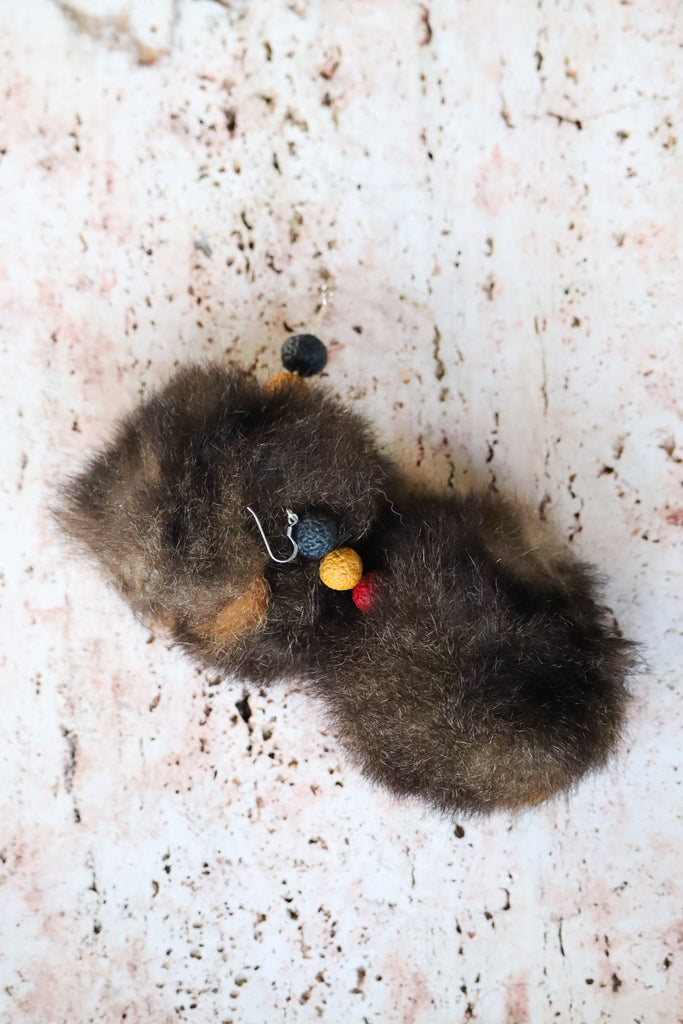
{"type": "Point", "coordinates": [304, 354]}
{"type": "Point", "coordinates": [316, 535]}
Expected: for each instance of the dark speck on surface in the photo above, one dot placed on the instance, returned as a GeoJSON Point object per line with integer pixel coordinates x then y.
{"type": "Point", "coordinates": [244, 708]}
{"type": "Point", "coordinates": [424, 18]}
{"type": "Point", "coordinates": [230, 120]}
{"type": "Point", "coordinates": [72, 757]}
{"type": "Point", "coordinates": [439, 368]}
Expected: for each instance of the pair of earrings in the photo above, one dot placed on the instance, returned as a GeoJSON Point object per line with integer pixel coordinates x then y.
{"type": "Point", "coordinates": [315, 535]}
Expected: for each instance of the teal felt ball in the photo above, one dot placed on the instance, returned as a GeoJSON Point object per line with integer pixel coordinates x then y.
{"type": "Point", "coordinates": [316, 535]}
{"type": "Point", "coordinates": [304, 354]}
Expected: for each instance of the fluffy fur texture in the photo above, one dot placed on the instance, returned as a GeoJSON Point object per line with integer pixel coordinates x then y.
{"type": "Point", "coordinates": [486, 675]}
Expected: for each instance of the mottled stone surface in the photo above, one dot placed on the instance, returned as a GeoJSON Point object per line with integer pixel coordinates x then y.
{"type": "Point", "coordinates": [478, 206]}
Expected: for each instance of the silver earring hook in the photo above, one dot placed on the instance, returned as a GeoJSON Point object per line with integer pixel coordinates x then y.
{"type": "Point", "coordinates": [292, 520]}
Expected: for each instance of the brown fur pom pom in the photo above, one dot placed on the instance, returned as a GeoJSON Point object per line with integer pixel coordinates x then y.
{"type": "Point", "coordinates": [485, 674]}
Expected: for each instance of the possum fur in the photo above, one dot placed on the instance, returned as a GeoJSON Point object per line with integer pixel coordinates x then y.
{"type": "Point", "coordinates": [487, 675]}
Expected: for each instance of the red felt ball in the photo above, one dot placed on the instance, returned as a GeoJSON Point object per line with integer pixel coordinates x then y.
{"type": "Point", "coordinates": [364, 594]}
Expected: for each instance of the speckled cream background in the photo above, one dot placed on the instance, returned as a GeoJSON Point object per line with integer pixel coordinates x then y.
{"type": "Point", "coordinates": [479, 206]}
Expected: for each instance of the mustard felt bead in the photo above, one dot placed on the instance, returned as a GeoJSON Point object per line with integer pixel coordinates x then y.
{"type": "Point", "coordinates": [283, 381]}
{"type": "Point", "coordinates": [342, 569]}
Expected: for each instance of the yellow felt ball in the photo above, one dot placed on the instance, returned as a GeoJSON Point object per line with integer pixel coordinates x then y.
{"type": "Point", "coordinates": [283, 381]}
{"type": "Point", "coordinates": [341, 569]}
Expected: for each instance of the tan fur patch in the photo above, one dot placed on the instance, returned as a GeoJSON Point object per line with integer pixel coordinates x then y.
{"type": "Point", "coordinates": [244, 614]}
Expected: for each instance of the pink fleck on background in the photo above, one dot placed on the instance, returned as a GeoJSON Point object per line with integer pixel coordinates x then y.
{"type": "Point", "coordinates": [489, 197]}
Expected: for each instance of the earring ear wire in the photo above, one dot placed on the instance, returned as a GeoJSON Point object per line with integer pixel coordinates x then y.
{"type": "Point", "coordinates": [292, 520]}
